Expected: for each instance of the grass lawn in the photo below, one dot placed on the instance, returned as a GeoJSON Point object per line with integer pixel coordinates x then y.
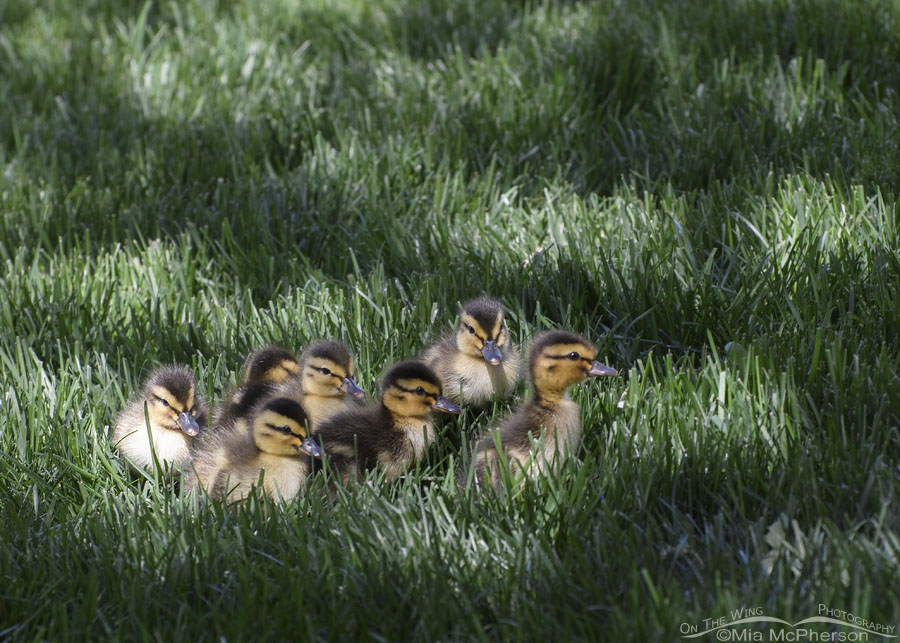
{"type": "Point", "coordinates": [705, 189]}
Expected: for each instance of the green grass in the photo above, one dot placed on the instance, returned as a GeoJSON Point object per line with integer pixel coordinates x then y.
{"type": "Point", "coordinates": [707, 190]}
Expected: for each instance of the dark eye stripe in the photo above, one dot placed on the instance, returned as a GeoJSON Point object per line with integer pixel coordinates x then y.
{"type": "Point", "coordinates": [164, 402]}
{"type": "Point", "coordinates": [472, 331]}
{"type": "Point", "coordinates": [566, 356]}
{"type": "Point", "coordinates": [283, 429]}
{"type": "Point", "coordinates": [415, 391]}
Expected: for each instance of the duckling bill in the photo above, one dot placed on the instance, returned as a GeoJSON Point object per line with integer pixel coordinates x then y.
{"type": "Point", "coordinates": [392, 434]}
{"type": "Point", "coordinates": [176, 414]}
{"type": "Point", "coordinates": [547, 428]}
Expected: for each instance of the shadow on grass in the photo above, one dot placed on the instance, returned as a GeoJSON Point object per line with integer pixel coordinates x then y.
{"type": "Point", "coordinates": [598, 102]}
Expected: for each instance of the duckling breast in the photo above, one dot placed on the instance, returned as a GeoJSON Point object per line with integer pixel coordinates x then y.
{"type": "Point", "coordinates": [285, 477]}
{"type": "Point", "coordinates": [557, 436]}
{"type": "Point", "coordinates": [133, 441]}
{"type": "Point", "coordinates": [321, 408]}
{"type": "Point", "coordinates": [478, 380]}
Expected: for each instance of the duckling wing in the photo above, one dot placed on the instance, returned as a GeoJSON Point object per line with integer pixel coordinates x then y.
{"type": "Point", "coordinates": [131, 419]}
{"type": "Point", "coordinates": [241, 402]}
{"type": "Point", "coordinates": [129, 435]}
{"type": "Point", "coordinates": [440, 355]}
{"type": "Point", "coordinates": [219, 455]}
{"type": "Point", "coordinates": [357, 435]}
{"type": "Point", "coordinates": [514, 437]}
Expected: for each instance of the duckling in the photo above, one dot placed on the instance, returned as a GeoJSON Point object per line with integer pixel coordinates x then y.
{"type": "Point", "coordinates": [547, 427]}
{"type": "Point", "coordinates": [391, 434]}
{"type": "Point", "coordinates": [326, 384]}
{"type": "Point", "coordinates": [272, 439]}
{"type": "Point", "coordinates": [479, 361]}
{"type": "Point", "coordinates": [270, 364]}
{"type": "Point", "coordinates": [176, 412]}
{"type": "Point", "coordinates": [265, 369]}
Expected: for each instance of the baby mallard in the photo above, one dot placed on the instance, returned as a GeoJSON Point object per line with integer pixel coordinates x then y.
{"type": "Point", "coordinates": [176, 414]}
{"type": "Point", "coordinates": [265, 369]}
{"type": "Point", "coordinates": [326, 384]}
{"type": "Point", "coordinates": [270, 364]}
{"type": "Point", "coordinates": [389, 435]}
{"type": "Point", "coordinates": [547, 427]}
{"type": "Point", "coordinates": [273, 440]}
{"type": "Point", "coordinates": [479, 361]}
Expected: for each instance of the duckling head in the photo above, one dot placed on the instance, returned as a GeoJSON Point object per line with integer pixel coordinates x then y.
{"type": "Point", "coordinates": [411, 389]}
{"type": "Point", "coordinates": [279, 427]}
{"type": "Point", "coordinates": [482, 331]}
{"type": "Point", "coordinates": [560, 359]}
{"type": "Point", "coordinates": [270, 364]}
{"type": "Point", "coordinates": [172, 400]}
{"type": "Point", "coordinates": [328, 370]}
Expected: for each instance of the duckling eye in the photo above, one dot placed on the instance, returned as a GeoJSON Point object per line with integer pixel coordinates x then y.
{"type": "Point", "coordinates": [471, 330]}
{"type": "Point", "coordinates": [419, 390]}
{"type": "Point", "coordinates": [325, 371]}
{"type": "Point", "coordinates": [574, 356]}
{"type": "Point", "coordinates": [284, 429]}
{"type": "Point", "coordinates": [164, 402]}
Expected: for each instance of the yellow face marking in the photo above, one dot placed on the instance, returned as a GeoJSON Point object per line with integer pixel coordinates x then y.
{"type": "Point", "coordinates": [334, 368]}
{"type": "Point", "coordinates": [297, 428]}
{"type": "Point", "coordinates": [190, 400]}
{"type": "Point", "coordinates": [482, 333]}
{"type": "Point", "coordinates": [561, 351]}
{"type": "Point", "coordinates": [165, 394]}
{"type": "Point", "coordinates": [276, 421]}
{"type": "Point", "coordinates": [411, 384]}
{"type": "Point", "coordinates": [275, 374]}
{"type": "Point", "coordinates": [497, 324]}
{"type": "Point", "coordinates": [403, 400]}
{"type": "Point", "coordinates": [470, 321]}
{"type": "Point", "coordinates": [285, 369]}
